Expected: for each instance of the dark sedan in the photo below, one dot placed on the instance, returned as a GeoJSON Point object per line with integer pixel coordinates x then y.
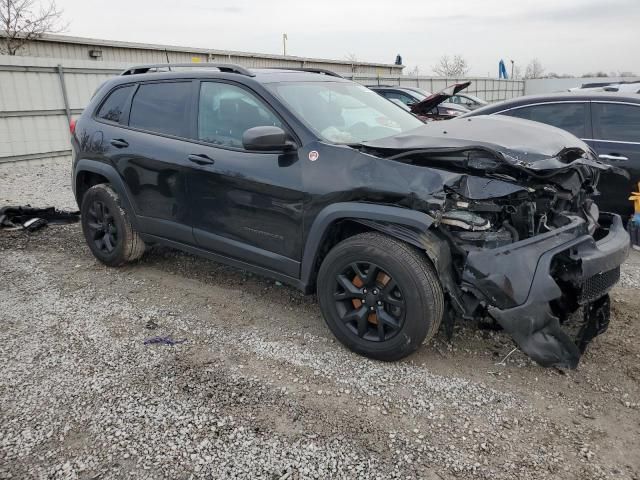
{"type": "Point", "coordinates": [608, 122]}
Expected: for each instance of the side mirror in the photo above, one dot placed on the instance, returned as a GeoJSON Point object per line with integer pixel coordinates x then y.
{"type": "Point", "coordinates": [265, 139]}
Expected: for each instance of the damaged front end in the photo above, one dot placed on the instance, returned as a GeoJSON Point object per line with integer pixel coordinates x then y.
{"type": "Point", "coordinates": [528, 246]}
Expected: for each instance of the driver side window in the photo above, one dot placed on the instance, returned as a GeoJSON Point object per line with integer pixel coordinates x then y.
{"type": "Point", "coordinates": [226, 111]}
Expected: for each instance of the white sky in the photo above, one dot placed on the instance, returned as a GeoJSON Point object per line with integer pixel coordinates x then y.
{"type": "Point", "coordinates": [567, 36]}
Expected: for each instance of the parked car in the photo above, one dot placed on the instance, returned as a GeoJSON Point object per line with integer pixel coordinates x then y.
{"type": "Point", "coordinates": [607, 122]}
{"type": "Point", "coordinates": [316, 181]}
{"type": "Point", "coordinates": [623, 87]}
{"type": "Point", "coordinates": [427, 106]}
{"type": "Point", "coordinates": [468, 101]}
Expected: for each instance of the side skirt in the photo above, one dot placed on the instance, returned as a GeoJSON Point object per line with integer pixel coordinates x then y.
{"type": "Point", "coordinates": [294, 282]}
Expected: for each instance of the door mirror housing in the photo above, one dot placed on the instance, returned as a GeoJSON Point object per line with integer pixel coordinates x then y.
{"type": "Point", "coordinates": [266, 138]}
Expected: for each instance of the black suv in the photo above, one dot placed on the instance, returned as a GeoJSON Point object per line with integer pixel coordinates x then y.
{"type": "Point", "coordinates": [319, 182]}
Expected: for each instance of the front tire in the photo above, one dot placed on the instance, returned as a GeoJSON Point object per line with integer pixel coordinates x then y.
{"type": "Point", "coordinates": [107, 229]}
{"type": "Point", "coordinates": [379, 296]}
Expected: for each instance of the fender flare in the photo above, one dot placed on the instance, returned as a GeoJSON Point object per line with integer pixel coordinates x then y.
{"type": "Point", "coordinates": [115, 180]}
{"type": "Point", "coordinates": [373, 215]}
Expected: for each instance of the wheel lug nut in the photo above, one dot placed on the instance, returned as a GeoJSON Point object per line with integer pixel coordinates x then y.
{"type": "Point", "coordinates": [379, 302]}
{"type": "Point", "coordinates": [372, 308]}
{"type": "Point", "coordinates": [375, 292]}
{"type": "Point", "coordinates": [365, 290]}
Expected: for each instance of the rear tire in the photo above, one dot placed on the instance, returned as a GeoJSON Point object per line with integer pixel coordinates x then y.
{"type": "Point", "coordinates": [379, 296]}
{"type": "Point", "coordinates": [107, 229]}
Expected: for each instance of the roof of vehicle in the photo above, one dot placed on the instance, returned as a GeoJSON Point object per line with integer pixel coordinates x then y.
{"type": "Point", "coordinates": [556, 97]}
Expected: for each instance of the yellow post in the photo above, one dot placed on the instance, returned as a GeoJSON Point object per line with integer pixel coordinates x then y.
{"type": "Point", "coordinates": [635, 198]}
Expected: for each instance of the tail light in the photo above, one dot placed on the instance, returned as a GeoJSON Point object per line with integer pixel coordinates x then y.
{"type": "Point", "coordinates": [72, 126]}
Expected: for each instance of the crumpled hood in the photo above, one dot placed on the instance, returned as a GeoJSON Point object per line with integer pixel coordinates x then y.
{"type": "Point", "coordinates": [522, 143]}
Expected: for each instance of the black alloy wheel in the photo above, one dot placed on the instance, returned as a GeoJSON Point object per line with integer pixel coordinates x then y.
{"type": "Point", "coordinates": [369, 302]}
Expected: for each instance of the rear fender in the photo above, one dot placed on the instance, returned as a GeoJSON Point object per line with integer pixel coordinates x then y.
{"type": "Point", "coordinates": [116, 182]}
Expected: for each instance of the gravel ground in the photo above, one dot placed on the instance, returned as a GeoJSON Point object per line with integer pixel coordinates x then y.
{"type": "Point", "coordinates": [259, 388]}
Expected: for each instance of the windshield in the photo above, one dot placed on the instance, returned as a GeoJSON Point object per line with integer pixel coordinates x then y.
{"type": "Point", "coordinates": [341, 112]}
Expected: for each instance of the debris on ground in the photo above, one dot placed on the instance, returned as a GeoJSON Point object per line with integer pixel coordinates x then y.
{"type": "Point", "coordinates": [32, 219]}
{"type": "Point", "coordinates": [164, 341]}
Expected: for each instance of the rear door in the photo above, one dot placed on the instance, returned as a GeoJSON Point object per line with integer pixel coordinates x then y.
{"type": "Point", "coordinates": [151, 156]}
{"type": "Point", "coordinates": [246, 205]}
{"type": "Point", "coordinates": [616, 140]}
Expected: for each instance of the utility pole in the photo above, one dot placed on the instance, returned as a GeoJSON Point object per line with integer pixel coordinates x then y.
{"type": "Point", "coordinates": [512, 64]}
{"type": "Point", "coordinates": [284, 44]}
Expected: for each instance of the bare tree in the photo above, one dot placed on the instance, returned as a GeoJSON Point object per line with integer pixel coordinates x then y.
{"type": "Point", "coordinates": [517, 72]}
{"type": "Point", "coordinates": [534, 69]}
{"type": "Point", "coordinates": [451, 67]}
{"type": "Point", "coordinates": [22, 21]}
{"type": "Point", "coordinates": [353, 59]}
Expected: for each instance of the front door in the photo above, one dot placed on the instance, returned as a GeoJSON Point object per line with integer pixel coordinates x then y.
{"type": "Point", "coordinates": [246, 205]}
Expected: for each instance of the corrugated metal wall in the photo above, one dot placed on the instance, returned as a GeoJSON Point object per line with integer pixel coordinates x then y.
{"type": "Point", "coordinates": [33, 115]}
{"type": "Point", "coordinates": [77, 48]}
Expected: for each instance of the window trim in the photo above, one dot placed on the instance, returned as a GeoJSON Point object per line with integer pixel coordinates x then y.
{"type": "Point", "coordinates": [596, 122]}
{"type": "Point", "coordinates": [196, 116]}
{"type": "Point", "coordinates": [588, 122]}
{"type": "Point", "coordinates": [137, 85]}
{"type": "Point", "coordinates": [518, 107]}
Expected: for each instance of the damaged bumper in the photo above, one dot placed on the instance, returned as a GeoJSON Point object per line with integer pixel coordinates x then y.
{"type": "Point", "coordinates": [530, 287]}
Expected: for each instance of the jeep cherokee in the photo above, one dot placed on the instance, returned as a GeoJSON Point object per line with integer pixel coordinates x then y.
{"type": "Point", "coordinates": [321, 183]}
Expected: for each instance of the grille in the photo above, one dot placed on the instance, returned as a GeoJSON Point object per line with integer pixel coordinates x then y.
{"type": "Point", "coordinates": [596, 286]}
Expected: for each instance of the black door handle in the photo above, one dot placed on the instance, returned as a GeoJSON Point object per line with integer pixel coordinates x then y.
{"type": "Point", "coordinates": [201, 159]}
{"type": "Point", "coordinates": [119, 143]}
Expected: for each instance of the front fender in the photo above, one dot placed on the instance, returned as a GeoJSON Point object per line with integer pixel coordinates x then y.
{"type": "Point", "coordinates": [412, 219]}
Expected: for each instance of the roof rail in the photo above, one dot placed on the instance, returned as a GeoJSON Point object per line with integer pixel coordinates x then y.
{"type": "Point", "coordinates": [323, 71]}
{"type": "Point", "coordinates": [223, 67]}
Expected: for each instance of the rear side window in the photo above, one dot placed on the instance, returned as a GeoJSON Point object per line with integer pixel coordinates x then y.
{"type": "Point", "coordinates": [114, 106]}
{"type": "Point", "coordinates": [613, 121]}
{"type": "Point", "coordinates": [567, 116]}
{"type": "Point", "coordinates": [161, 108]}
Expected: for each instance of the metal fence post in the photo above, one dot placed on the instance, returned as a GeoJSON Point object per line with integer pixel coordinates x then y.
{"type": "Point", "coordinates": [63, 86]}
